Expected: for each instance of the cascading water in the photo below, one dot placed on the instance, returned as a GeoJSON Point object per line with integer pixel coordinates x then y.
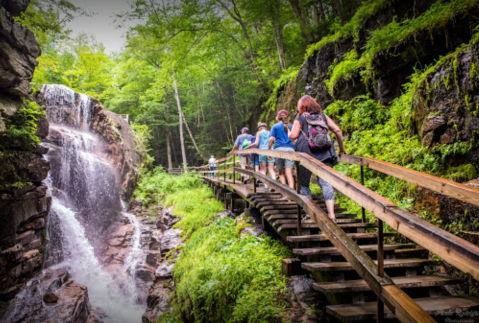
{"type": "Point", "coordinates": [86, 202]}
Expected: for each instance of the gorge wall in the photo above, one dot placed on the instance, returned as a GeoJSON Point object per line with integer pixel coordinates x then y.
{"type": "Point", "coordinates": [29, 231]}
{"type": "Point", "coordinates": [24, 203]}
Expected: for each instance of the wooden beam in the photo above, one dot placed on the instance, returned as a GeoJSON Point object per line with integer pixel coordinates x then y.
{"type": "Point", "coordinates": [440, 185]}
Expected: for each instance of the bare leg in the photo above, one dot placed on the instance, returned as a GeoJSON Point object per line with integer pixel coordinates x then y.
{"type": "Point", "coordinates": [263, 171]}
{"type": "Point", "coordinates": [330, 207]}
{"type": "Point", "coordinates": [271, 171]}
{"type": "Point", "coordinates": [289, 176]}
{"type": "Point", "coordinates": [282, 179]}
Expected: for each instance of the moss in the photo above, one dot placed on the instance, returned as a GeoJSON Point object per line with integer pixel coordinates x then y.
{"type": "Point", "coordinates": [463, 173]}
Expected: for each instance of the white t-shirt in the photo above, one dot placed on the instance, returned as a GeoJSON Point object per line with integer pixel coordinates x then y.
{"type": "Point", "coordinates": [212, 161]}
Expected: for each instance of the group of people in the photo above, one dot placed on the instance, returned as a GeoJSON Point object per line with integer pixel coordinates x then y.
{"type": "Point", "coordinates": [309, 134]}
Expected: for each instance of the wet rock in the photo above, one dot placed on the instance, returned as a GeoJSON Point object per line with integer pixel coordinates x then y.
{"type": "Point", "coordinates": [51, 297]}
{"type": "Point", "coordinates": [304, 299]}
{"type": "Point", "coordinates": [15, 7]}
{"type": "Point", "coordinates": [170, 240]}
{"type": "Point", "coordinates": [167, 219]}
{"type": "Point", "coordinates": [432, 123]}
{"type": "Point", "coordinates": [157, 301]}
{"type": "Point", "coordinates": [165, 269]}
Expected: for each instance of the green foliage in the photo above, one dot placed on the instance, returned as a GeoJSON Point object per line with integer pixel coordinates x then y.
{"type": "Point", "coordinates": [463, 173]}
{"type": "Point", "coordinates": [279, 84]}
{"type": "Point", "coordinates": [368, 9]}
{"type": "Point", "coordinates": [382, 40]}
{"type": "Point", "coordinates": [221, 277]}
{"type": "Point", "coordinates": [21, 128]}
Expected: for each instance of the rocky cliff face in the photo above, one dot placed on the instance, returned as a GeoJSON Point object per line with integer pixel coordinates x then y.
{"type": "Point", "coordinates": [391, 68]}
{"type": "Point", "coordinates": [24, 204]}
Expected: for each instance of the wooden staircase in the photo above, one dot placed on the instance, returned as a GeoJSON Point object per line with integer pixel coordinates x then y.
{"type": "Point", "coordinates": [351, 298]}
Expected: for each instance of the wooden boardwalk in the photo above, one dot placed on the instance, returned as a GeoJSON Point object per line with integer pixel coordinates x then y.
{"type": "Point", "coordinates": [356, 265]}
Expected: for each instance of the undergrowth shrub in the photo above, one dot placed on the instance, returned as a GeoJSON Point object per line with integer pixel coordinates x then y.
{"type": "Point", "coordinates": [223, 277]}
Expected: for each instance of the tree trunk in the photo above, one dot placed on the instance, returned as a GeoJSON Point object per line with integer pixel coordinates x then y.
{"type": "Point", "coordinates": [339, 11]}
{"type": "Point", "coordinates": [191, 136]}
{"type": "Point", "coordinates": [180, 117]}
{"type": "Point", "coordinates": [303, 21]}
{"type": "Point", "coordinates": [168, 147]}
{"type": "Point", "coordinates": [274, 15]}
{"type": "Point", "coordinates": [316, 15]}
{"type": "Point", "coordinates": [321, 10]}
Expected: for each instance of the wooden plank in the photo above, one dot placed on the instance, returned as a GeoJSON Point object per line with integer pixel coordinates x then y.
{"type": "Point", "coordinates": [339, 221]}
{"type": "Point", "coordinates": [346, 266]}
{"type": "Point", "coordinates": [359, 285]}
{"type": "Point", "coordinates": [342, 226]}
{"type": "Point", "coordinates": [323, 237]}
{"type": "Point", "coordinates": [294, 216]}
{"type": "Point", "coordinates": [434, 306]}
{"type": "Point", "coordinates": [334, 250]}
{"type": "Point", "coordinates": [275, 212]}
{"type": "Point", "coordinates": [440, 185]}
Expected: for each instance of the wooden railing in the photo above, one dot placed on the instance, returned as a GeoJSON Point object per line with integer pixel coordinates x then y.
{"type": "Point", "coordinates": [454, 250]}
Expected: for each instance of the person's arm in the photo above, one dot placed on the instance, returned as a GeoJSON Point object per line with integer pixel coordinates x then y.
{"type": "Point", "coordinates": [234, 148]}
{"type": "Point", "coordinates": [256, 143]}
{"type": "Point", "coordinates": [294, 134]}
{"type": "Point", "coordinates": [339, 135]}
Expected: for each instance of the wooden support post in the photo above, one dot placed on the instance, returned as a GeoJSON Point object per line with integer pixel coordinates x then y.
{"type": "Point", "coordinates": [380, 266]}
{"type": "Point", "coordinates": [234, 172]}
{"type": "Point", "coordinates": [254, 178]}
{"type": "Point", "coordinates": [224, 174]}
{"type": "Point", "coordinates": [298, 191]}
{"type": "Point", "coordinates": [225, 196]}
{"type": "Point", "coordinates": [363, 211]}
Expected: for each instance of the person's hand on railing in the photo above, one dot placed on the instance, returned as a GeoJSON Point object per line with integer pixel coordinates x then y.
{"type": "Point", "coordinates": [342, 152]}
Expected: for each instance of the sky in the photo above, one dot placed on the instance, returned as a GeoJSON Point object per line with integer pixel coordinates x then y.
{"type": "Point", "coordinates": [101, 23]}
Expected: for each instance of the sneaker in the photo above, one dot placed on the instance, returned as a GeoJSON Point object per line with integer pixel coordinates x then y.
{"type": "Point", "coordinates": [266, 189]}
{"type": "Point", "coordinates": [258, 182]}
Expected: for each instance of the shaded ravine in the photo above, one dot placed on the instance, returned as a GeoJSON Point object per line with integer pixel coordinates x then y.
{"type": "Point", "coordinates": [86, 206]}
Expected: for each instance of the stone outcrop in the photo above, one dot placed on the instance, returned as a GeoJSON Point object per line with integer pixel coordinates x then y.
{"type": "Point", "coordinates": [163, 251]}
{"type": "Point", "coordinates": [24, 203]}
{"type": "Point", "coordinates": [51, 297]}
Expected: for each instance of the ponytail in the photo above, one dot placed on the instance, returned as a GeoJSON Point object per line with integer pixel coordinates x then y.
{"type": "Point", "coordinates": [285, 120]}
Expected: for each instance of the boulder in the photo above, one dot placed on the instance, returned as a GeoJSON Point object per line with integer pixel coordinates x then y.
{"type": "Point", "coordinates": [51, 297]}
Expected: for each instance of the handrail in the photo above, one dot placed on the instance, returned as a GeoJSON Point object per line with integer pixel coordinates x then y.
{"type": "Point", "coordinates": [440, 185]}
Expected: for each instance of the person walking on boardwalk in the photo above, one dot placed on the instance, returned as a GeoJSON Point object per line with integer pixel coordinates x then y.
{"type": "Point", "coordinates": [212, 163]}
{"type": "Point", "coordinates": [241, 143]}
{"type": "Point", "coordinates": [311, 129]}
{"type": "Point", "coordinates": [279, 137]}
{"type": "Point", "coordinates": [261, 141]}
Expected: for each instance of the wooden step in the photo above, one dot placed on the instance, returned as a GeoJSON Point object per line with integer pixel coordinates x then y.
{"type": "Point", "coordinates": [334, 250]}
{"type": "Point", "coordinates": [360, 285]}
{"type": "Point", "coordinates": [322, 237]}
{"type": "Point", "coordinates": [294, 216]}
{"type": "Point", "coordinates": [434, 306]}
{"type": "Point", "coordinates": [346, 266]}
{"type": "Point", "coordinates": [262, 194]}
{"type": "Point", "coordinates": [314, 226]}
{"type": "Point", "coordinates": [309, 221]}
{"type": "Point", "coordinates": [265, 199]}
{"type": "Point", "coordinates": [277, 204]}
{"type": "Point", "coordinates": [292, 207]}
{"type": "Point", "coordinates": [275, 212]}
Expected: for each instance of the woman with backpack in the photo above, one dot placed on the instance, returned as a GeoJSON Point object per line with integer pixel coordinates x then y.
{"type": "Point", "coordinates": [279, 137]}
{"type": "Point", "coordinates": [266, 164]}
{"type": "Point", "coordinates": [311, 129]}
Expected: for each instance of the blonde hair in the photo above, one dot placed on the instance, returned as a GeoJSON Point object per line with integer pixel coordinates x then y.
{"type": "Point", "coordinates": [262, 124]}
{"type": "Point", "coordinates": [285, 120]}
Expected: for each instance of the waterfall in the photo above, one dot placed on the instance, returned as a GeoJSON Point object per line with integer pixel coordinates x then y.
{"type": "Point", "coordinates": [86, 203]}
